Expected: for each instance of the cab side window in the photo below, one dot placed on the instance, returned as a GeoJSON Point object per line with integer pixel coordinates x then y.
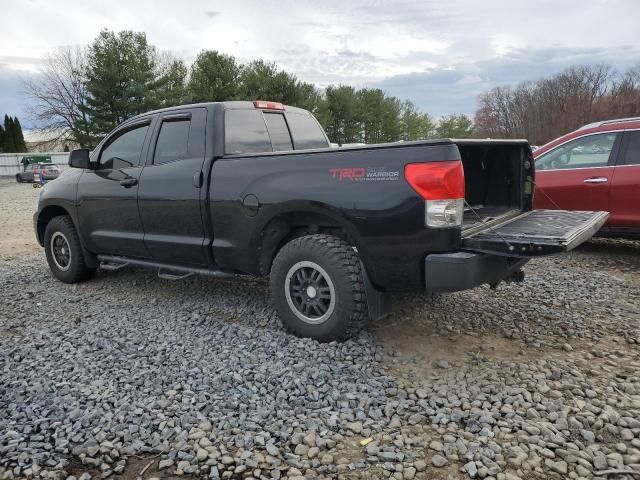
{"type": "Point", "coordinates": [124, 150]}
{"type": "Point", "coordinates": [585, 152]}
{"type": "Point", "coordinates": [173, 141]}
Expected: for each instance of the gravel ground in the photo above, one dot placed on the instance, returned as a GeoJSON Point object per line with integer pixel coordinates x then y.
{"type": "Point", "coordinates": [134, 377]}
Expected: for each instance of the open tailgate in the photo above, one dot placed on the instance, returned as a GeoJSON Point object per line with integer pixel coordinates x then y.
{"type": "Point", "coordinates": [537, 232]}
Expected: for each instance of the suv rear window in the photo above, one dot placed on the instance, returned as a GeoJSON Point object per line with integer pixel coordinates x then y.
{"type": "Point", "coordinates": [632, 153]}
{"type": "Point", "coordinates": [306, 131]}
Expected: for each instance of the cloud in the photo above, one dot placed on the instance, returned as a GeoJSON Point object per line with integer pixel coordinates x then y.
{"type": "Point", "coordinates": [454, 88]}
{"type": "Point", "coordinates": [438, 53]}
{"type": "Point", "coordinates": [13, 100]}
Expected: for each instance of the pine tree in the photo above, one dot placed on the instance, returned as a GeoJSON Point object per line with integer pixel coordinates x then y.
{"type": "Point", "coordinates": [18, 137]}
{"type": "Point", "coordinates": [1, 138]}
{"type": "Point", "coordinates": [454, 126]}
{"type": "Point", "coordinates": [120, 78]}
{"type": "Point", "coordinates": [9, 143]}
{"type": "Point", "coordinates": [214, 77]}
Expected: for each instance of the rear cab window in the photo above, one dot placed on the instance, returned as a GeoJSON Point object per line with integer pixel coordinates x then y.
{"type": "Point", "coordinates": [255, 131]}
{"type": "Point", "coordinates": [306, 131]}
{"type": "Point", "coordinates": [245, 131]}
{"type": "Point", "coordinates": [278, 132]}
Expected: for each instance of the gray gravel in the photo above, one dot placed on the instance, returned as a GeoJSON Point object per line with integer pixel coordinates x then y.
{"type": "Point", "coordinates": [539, 380]}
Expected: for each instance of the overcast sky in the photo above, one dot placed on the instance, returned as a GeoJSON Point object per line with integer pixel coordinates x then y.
{"type": "Point", "coordinates": [438, 53]}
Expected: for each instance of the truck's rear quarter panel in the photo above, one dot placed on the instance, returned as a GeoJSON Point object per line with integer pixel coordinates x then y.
{"type": "Point", "coordinates": [361, 189]}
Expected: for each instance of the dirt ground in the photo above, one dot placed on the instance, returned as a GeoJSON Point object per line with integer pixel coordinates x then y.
{"type": "Point", "coordinates": [550, 318]}
{"type": "Point", "coordinates": [17, 204]}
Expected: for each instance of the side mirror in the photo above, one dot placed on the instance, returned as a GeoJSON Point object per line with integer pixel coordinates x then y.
{"type": "Point", "coordinates": [79, 158]}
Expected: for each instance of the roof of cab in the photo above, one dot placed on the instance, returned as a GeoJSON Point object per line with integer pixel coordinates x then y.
{"type": "Point", "coordinates": [231, 105]}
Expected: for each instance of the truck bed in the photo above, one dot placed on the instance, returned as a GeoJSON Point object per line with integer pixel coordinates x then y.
{"type": "Point", "coordinates": [478, 214]}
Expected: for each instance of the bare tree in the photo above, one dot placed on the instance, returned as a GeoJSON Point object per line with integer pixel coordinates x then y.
{"type": "Point", "coordinates": [60, 97]}
{"type": "Point", "coordinates": [625, 93]}
{"type": "Point", "coordinates": [547, 108]}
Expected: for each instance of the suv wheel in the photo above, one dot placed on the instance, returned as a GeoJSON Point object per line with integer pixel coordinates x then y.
{"type": "Point", "coordinates": [318, 288]}
{"type": "Point", "coordinates": [64, 252]}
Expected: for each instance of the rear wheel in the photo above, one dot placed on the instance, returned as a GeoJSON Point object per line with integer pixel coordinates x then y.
{"type": "Point", "coordinates": [318, 288]}
{"type": "Point", "coordinates": [64, 252]}
{"type": "Point", "coordinates": [18, 178]}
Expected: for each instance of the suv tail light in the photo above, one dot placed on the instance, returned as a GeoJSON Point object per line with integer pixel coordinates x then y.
{"type": "Point", "coordinates": [268, 105]}
{"type": "Point", "coordinates": [441, 184]}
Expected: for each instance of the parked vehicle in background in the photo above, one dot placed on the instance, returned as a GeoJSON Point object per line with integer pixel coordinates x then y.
{"type": "Point", "coordinates": [32, 170]}
{"type": "Point", "coordinates": [597, 167]}
{"type": "Point", "coordinates": [253, 188]}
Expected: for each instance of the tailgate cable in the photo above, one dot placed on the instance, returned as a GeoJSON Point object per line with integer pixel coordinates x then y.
{"type": "Point", "coordinates": [511, 247]}
{"type": "Point", "coordinates": [545, 194]}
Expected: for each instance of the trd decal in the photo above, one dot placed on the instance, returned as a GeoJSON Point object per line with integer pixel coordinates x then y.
{"type": "Point", "coordinates": [348, 173]}
{"type": "Point", "coordinates": [364, 174]}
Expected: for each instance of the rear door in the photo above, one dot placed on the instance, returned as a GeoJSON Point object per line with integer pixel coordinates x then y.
{"type": "Point", "coordinates": [625, 185]}
{"type": "Point", "coordinates": [28, 175]}
{"type": "Point", "coordinates": [170, 196]}
{"type": "Point", "coordinates": [577, 175]}
{"type": "Point", "coordinates": [107, 196]}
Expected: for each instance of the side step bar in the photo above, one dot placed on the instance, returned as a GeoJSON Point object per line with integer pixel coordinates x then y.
{"type": "Point", "coordinates": [112, 263]}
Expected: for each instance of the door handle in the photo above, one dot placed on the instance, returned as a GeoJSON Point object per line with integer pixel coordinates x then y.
{"type": "Point", "coordinates": [129, 182]}
{"type": "Point", "coordinates": [197, 179]}
{"type": "Point", "coordinates": [596, 180]}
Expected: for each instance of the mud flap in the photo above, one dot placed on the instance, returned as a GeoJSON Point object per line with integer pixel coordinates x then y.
{"type": "Point", "coordinates": [537, 233]}
{"type": "Point", "coordinates": [378, 303]}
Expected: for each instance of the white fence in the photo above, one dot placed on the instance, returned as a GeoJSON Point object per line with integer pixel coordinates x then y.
{"type": "Point", "coordinates": [10, 163]}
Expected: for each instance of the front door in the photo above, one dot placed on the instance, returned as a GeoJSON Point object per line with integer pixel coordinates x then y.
{"type": "Point", "coordinates": [107, 196]}
{"type": "Point", "coordinates": [171, 196]}
{"type": "Point", "coordinates": [576, 175]}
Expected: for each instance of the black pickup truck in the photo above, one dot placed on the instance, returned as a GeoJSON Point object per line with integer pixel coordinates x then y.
{"type": "Point", "coordinates": [254, 188]}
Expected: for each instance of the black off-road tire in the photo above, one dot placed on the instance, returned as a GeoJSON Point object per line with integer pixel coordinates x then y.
{"type": "Point", "coordinates": [341, 264]}
{"type": "Point", "coordinates": [18, 179]}
{"type": "Point", "coordinates": [62, 229]}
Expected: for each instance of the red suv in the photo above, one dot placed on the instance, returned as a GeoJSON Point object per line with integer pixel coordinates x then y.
{"type": "Point", "coordinates": [597, 167]}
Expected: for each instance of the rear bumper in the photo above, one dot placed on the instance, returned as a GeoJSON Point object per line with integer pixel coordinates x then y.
{"type": "Point", "coordinates": [450, 272]}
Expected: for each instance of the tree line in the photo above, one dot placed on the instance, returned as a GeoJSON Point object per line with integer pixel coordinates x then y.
{"type": "Point", "coordinates": [11, 136]}
{"type": "Point", "coordinates": [83, 93]}
{"type": "Point", "coordinates": [547, 108]}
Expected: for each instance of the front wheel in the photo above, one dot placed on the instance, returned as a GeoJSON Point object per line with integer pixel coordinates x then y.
{"type": "Point", "coordinates": [318, 288]}
{"type": "Point", "coordinates": [18, 178]}
{"type": "Point", "coordinates": [64, 252]}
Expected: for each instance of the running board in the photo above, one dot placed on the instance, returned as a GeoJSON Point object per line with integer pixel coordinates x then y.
{"type": "Point", "coordinates": [113, 267]}
{"type": "Point", "coordinates": [114, 263]}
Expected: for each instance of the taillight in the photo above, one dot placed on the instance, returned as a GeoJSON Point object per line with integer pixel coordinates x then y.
{"type": "Point", "coordinates": [268, 105]}
{"type": "Point", "coordinates": [441, 184]}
